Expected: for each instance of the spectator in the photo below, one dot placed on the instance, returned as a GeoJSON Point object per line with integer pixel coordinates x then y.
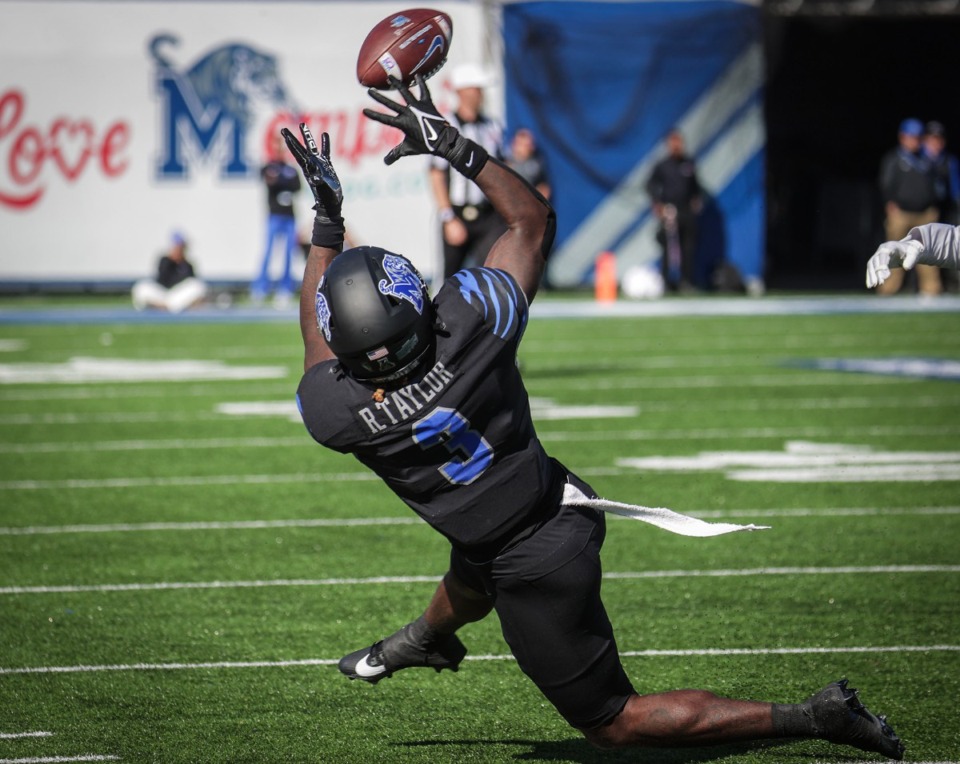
{"type": "Point", "coordinates": [946, 170]}
{"type": "Point", "coordinates": [176, 286]}
{"type": "Point", "coordinates": [524, 158]}
{"type": "Point", "coordinates": [909, 193]}
{"type": "Point", "coordinates": [282, 181]}
{"type": "Point", "coordinates": [470, 225]}
{"type": "Point", "coordinates": [677, 201]}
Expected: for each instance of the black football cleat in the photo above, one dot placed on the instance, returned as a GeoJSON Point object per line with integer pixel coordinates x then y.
{"type": "Point", "coordinates": [840, 717]}
{"type": "Point", "coordinates": [399, 651]}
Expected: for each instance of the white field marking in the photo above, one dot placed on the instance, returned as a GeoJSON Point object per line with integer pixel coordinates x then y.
{"type": "Point", "coordinates": [286, 409]}
{"type": "Point", "coordinates": [375, 521]}
{"type": "Point", "coordinates": [541, 408]}
{"type": "Point", "coordinates": [310, 662]}
{"type": "Point", "coordinates": [720, 346]}
{"type": "Point", "coordinates": [160, 444]}
{"type": "Point", "coordinates": [718, 433]}
{"type": "Point", "coordinates": [413, 520]}
{"type": "Point", "coordinates": [11, 346]}
{"type": "Point", "coordinates": [190, 585]}
{"type": "Point", "coordinates": [624, 575]}
{"type": "Point", "coordinates": [211, 526]}
{"type": "Point", "coordinates": [803, 462]}
{"type": "Point", "coordinates": [642, 406]}
{"type": "Point", "coordinates": [787, 379]}
{"type": "Point", "coordinates": [36, 485]}
{"type": "Point", "coordinates": [17, 735]}
{"type": "Point", "coordinates": [785, 571]}
{"type": "Point", "coordinates": [723, 433]}
{"type": "Point", "coordinates": [828, 512]}
{"type": "Point", "coordinates": [925, 473]}
{"type": "Point", "coordinates": [59, 759]}
{"type": "Point", "coordinates": [932, 368]}
{"type": "Point", "coordinates": [101, 392]}
{"type": "Point", "coordinates": [86, 370]}
{"type": "Point", "coordinates": [107, 417]}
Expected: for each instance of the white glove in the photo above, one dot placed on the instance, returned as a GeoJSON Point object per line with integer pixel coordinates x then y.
{"type": "Point", "coordinates": [893, 254]}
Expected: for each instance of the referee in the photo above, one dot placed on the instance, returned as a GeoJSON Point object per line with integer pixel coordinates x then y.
{"type": "Point", "coordinates": [470, 225]}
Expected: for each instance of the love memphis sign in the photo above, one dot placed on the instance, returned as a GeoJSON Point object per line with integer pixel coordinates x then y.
{"type": "Point", "coordinates": [68, 146]}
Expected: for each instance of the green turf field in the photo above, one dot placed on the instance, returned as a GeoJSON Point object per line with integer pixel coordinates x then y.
{"type": "Point", "coordinates": [181, 566]}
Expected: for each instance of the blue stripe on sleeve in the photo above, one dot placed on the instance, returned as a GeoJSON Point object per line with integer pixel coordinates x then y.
{"type": "Point", "coordinates": [494, 303]}
{"type": "Point", "coordinates": [497, 297]}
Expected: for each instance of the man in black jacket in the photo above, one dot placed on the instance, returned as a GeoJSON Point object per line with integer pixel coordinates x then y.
{"type": "Point", "coordinates": [676, 196]}
{"type": "Point", "coordinates": [908, 188]}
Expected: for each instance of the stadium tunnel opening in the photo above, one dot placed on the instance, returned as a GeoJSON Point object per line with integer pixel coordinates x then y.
{"type": "Point", "coordinates": [837, 90]}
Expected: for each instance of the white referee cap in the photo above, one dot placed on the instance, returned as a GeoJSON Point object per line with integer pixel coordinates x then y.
{"type": "Point", "coordinates": [469, 76]}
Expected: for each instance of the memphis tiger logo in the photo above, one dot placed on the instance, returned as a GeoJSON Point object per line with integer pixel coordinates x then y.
{"type": "Point", "coordinates": [209, 108]}
{"type": "Point", "coordinates": [323, 311]}
{"type": "Point", "coordinates": [402, 281]}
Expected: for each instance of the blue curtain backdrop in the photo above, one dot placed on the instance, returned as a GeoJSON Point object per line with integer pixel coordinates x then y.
{"type": "Point", "coordinates": [601, 83]}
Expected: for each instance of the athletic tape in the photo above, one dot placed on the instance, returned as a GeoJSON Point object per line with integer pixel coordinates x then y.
{"type": "Point", "coordinates": [666, 519]}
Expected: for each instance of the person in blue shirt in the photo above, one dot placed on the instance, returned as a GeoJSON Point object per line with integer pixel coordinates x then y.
{"type": "Point", "coordinates": [282, 182]}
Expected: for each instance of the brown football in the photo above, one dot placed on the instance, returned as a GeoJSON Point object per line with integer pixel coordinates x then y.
{"type": "Point", "coordinates": [404, 45]}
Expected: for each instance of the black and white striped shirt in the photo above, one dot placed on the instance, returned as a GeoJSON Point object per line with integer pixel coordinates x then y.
{"type": "Point", "coordinates": [485, 132]}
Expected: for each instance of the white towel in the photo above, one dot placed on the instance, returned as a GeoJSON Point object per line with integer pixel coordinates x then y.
{"type": "Point", "coordinates": [666, 519]}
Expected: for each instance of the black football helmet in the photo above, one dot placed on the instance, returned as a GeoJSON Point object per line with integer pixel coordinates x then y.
{"type": "Point", "coordinates": [374, 310]}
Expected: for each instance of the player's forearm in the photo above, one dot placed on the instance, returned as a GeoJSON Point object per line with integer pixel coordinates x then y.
{"type": "Point", "coordinates": [314, 345]}
{"type": "Point", "coordinates": [941, 244]}
{"type": "Point", "coordinates": [530, 219]}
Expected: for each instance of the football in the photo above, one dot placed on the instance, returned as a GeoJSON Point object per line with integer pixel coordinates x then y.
{"type": "Point", "coordinates": [404, 45]}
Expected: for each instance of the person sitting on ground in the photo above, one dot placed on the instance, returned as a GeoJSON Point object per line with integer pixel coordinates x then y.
{"type": "Point", "coordinates": [175, 287]}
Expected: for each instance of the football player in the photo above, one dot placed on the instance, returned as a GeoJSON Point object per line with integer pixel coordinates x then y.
{"type": "Point", "coordinates": [935, 244]}
{"type": "Point", "coordinates": [427, 394]}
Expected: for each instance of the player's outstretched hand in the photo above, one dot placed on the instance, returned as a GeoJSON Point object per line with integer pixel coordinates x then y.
{"type": "Point", "coordinates": [318, 171]}
{"type": "Point", "coordinates": [424, 130]}
{"type": "Point", "coordinates": [892, 254]}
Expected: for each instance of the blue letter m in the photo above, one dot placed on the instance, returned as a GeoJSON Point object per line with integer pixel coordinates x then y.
{"type": "Point", "coordinates": [185, 118]}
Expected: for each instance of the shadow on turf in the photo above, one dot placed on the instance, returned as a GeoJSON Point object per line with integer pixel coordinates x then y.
{"type": "Point", "coordinates": [580, 751]}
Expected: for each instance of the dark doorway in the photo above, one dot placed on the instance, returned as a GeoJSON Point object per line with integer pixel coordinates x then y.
{"type": "Point", "coordinates": [837, 88]}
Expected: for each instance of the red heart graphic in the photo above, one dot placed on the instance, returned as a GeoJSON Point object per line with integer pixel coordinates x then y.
{"type": "Point", "coordinates": [71, 144]}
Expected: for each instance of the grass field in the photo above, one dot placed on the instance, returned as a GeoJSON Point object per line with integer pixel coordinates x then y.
{"type": "Point", "coordinates": [181, 566]}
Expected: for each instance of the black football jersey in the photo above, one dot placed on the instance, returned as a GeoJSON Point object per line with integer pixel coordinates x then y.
{"type": "Point", "coordinates": [456, 443]}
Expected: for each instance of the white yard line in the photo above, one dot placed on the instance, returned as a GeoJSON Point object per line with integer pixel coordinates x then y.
{"type": "Point", "coordinates": [347, 522]}
{"type": "Point", "coordinates": [212, 526]}
{"type": "Point", "coordinates": [590, 381]}
{"type": "Point", "coordinates": [133, 390]}
{"type": "Point", "coordinates": [19, 735]}
{"type": "Point", "coordinates": [284, 582]}
{"type": "Point", "coordinates": [318, 477]}
{"type": "Point", "coordinates": [302, 441]}
{"type": "Point", "coordinates": [155, 444]}
{"type": "Point", "coordinates": [309, 662]}
{"type": "Point", "coordinates": [726, 433]}
{"type": "Point", "coordinates": [120, 417]}
{"type": "Point", "coordinates": [59, 759]}
{"type": "Point", "coordinates": [644, 406]}
{"type": "Point", "coordinates": [638, 380]}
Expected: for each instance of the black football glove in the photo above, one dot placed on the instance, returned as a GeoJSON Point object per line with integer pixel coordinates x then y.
{"type": "Point", "coordinates": [328, 228]}
{"type": "Point", "coordinates": [425, 131]}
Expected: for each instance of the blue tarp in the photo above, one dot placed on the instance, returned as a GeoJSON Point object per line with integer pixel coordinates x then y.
{"type": "Point", "coordinates": [600, 84]}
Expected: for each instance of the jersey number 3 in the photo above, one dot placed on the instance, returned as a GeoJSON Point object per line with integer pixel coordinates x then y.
{"type": "Point", "coordinates": [470, 451]}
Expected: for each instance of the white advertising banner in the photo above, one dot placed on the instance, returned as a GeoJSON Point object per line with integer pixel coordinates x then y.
{"type": "Point", "coordinates": [122, 122]}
